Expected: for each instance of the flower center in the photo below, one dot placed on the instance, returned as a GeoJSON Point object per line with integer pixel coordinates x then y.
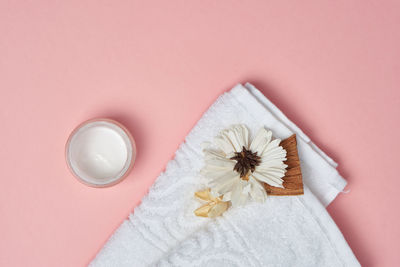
{"type": "Point", "coordinates": [245, 161]}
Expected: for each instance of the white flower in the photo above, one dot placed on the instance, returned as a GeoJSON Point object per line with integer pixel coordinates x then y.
{"type": "Point", "coordinates": [237, 166]}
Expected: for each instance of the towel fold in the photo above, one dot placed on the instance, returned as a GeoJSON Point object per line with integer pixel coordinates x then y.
{"type": "Point", "coordinates": [283, 231]}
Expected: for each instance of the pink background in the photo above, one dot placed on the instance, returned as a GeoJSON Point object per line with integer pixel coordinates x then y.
{"type": "Point", "coordinates": [332, 66]}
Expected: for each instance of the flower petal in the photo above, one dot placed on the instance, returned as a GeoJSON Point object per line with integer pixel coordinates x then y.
{"type": "Point", "coordinates": [273, 148]}
{"type": "Point", "coordinates": [225, 145]}
{"type": "Point", "coordinates": [225, 187]}
{"type": "Point", "coordinates": [273, 172]}
{"type": "Point", "coordinates": [269, 179]}
{"type": "Point", "coordinates": [227, 196]}
{"type": "Point", "coordinates": [218, 209]}
{"type": "Point", "coordinates": [210, 171]}
{"type": "Point", "coordinates": [268, 163]}
{"type": "Point", "coordinates": [231, 136]}
{"type": "Point", "coordinates": [219, 163]}
{"type": "Point", "coordinates": [242, 135]}
{"type": "Point", "coordinates": [213, 154]}
{"type": "Point", "coordinates": [260, 142]}
{"type": "Point", "coordinates": [257, 192]}
{"type": "Point", "coordinates": [224, 178]}
{"type": "Point", "coordinates": [238, 197]}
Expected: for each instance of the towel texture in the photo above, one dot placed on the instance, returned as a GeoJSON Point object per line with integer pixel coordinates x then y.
{"type": "Point", "coordinates": [286, 231]}
{"type": "Point", "coordinates": [283, 231]}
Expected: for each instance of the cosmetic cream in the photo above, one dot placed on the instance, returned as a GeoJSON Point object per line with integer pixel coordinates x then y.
{"type": "Point", "coordinates": [100, 152]}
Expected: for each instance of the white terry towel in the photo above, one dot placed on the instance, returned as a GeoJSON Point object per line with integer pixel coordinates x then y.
{"type": "Point", "coordinates": [283, 231]}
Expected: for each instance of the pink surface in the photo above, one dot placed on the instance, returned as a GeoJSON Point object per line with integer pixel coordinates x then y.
{"type": "Point", "coordinates": [332, 66]}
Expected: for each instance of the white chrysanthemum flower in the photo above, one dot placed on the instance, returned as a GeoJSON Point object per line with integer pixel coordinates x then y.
{"type": "Point", "coordinates": [237, 166]}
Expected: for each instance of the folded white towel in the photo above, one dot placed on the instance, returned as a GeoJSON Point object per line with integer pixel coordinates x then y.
{"type": "Point", "coordinates": [283, 231]}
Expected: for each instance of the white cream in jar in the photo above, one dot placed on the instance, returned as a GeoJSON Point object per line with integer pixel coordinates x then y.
{"type": "Point", "coordinates": [100, 152]}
